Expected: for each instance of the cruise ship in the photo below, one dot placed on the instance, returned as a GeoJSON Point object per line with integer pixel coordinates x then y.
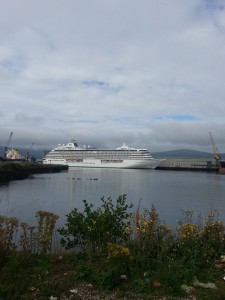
{"type": "Point", "coordinates": [122, 157]}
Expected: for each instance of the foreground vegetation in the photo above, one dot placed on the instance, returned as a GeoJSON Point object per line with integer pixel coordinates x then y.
{"type": "Point", "coordinates": [112, 251]}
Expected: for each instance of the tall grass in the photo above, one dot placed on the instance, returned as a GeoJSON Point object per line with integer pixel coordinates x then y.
{"type": "Point", "coordinates": [16, 236]}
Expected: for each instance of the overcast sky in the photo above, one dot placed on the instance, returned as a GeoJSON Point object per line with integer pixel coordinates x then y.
{"type": "Point", "coordinates": [150, 73]}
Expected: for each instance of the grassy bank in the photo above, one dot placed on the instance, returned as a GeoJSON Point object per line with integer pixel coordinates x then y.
{"type": "Point", "coordinates": [12, 171]}
{"type": "Point", "coordinates": [113, 254]}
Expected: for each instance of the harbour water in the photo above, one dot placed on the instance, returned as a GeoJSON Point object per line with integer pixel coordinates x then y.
{"type": "Point", "coordinates": [168, 191]}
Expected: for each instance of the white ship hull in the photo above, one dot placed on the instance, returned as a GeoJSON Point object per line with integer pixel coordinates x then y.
{"type": "Point", "coordinates": [97, 163]}
{"type": "Point", "coordinates": [122, 157]}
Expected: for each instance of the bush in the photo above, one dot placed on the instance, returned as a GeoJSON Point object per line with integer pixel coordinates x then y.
{"type": "Point", "coordinates": [92, 230]}
{"type": "Point", "coordinates": [151, 239]}
{"type": "Point", "coordinates": [200, 243]}
{"type": "Point", "coordinates": [136, 251]}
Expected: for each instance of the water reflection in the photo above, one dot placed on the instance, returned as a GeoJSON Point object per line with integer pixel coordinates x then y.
{"type": "Point", "coordinates": [61, 192]}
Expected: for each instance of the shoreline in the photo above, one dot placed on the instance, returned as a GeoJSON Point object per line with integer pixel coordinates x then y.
{"type": "Point", "coordinates": [22, 170]}
{"type": "Point", "coordinates": [19, 171]}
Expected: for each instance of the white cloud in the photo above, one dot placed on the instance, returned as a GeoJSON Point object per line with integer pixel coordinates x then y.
{"type": "Point", "coordinates": [105, 72]}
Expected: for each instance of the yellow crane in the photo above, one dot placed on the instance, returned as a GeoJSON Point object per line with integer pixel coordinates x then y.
{"type": "Point", "coordinates": [215, 150]}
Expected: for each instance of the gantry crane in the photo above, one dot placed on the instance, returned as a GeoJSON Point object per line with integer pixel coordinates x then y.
{"type": "Point", "coordinates": [8, 143]}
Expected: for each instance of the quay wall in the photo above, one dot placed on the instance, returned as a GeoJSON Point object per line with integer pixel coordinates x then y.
{"type": "Point", "coordinates": [188, 164]}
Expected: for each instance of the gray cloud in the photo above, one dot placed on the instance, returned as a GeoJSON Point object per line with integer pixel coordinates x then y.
{"type": "Point", "coordinates": [150, 74]}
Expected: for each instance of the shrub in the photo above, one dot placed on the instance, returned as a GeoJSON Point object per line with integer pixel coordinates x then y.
{"type": "Point", "coordinates": [212, 238]}
{"type": "Point", "coordinates": [200, 243]}
{"type": "Point", "coordinates": [92, 230]}
{"type": "Point", "coordinates": [119, 257]}
{"type": "Point", "coordinates": [188, 242]}
{"type": "Point", "coordinates": [151, 239]}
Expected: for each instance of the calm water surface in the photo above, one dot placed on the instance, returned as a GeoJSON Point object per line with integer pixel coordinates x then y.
{"type": "Point", "coordinates": [169, 191]}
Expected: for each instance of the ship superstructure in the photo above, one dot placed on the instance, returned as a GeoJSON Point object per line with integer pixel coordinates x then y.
{"type": "Point", "coordinates": [122, 157]}
{"type": "Point", "coordinates": [13, 154]}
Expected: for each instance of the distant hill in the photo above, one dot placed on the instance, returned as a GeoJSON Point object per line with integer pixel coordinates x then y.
{"type": "Point", "coordinates": [184, 153]}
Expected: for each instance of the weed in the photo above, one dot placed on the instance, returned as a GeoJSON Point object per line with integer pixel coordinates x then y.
{"type": "Point", "coordinates": [45, 228]}
{"type": "Point", "coordinates": [151, 239]}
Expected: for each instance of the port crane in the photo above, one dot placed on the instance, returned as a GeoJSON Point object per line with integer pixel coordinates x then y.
{"type": "Point", "coordinates": [27, 156]}
{"type": "Point", "coordinates": [8, 143]}
{"type": "Point", "coordinates": [216, 153]}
